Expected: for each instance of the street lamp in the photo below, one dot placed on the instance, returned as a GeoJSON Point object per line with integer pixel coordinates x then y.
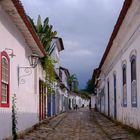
{"type": "Point", "coordinates": [33, 61]}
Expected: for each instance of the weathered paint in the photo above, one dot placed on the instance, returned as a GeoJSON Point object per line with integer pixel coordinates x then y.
{"type": "Point", "coordinates": [27, 94]}
{"type": "Point", "coordinates": [126, 42]}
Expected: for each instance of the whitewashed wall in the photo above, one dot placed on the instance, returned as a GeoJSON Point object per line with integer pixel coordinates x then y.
{"type": "Point", "coordinates": [64, 79]}
{"type": "Point", "coordinates": [92, 101]}
{"type": "Point", "coordinates": [78, 101]}
{"type": "Point", "coordinates": [127, 40]}
{"type": "Point", "coordinates": [72, 98]}
{"type": "Point", "coordinates": [56, 55]}
{"type": "Point", "coordinates": [26, 94]}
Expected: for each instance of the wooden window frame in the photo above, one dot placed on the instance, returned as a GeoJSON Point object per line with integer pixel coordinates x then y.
{"type": "Point", "coordinates": [124, 84]}
{"type": "Point", "coordinates": [133, 58]}
{"type": "Point", "coordinates": [4, 54]}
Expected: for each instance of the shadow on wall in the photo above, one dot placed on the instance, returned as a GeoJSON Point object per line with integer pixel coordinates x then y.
{"type": "Point", "coordinates": [10, 27]}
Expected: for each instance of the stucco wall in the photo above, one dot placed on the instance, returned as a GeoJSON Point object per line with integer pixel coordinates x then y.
{"type": "Point", "coordinates": [127, 40]}
{"type": "Point", "coordinates": [27, 93]}
{"type": "Point", "coordinates": [92, 101]}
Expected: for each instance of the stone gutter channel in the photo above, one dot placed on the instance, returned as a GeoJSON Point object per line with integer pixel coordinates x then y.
{"type": "Point", "coordinates": [110, 129]}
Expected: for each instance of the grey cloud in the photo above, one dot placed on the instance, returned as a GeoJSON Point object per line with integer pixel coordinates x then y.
{"type": "Point", "coordinates": [84, 25]}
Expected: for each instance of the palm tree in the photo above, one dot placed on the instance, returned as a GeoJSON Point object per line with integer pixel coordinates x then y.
{"type": "Point", "coordinates": [73, 82]}
{"type": "Point", "coordinates": [44, 32]}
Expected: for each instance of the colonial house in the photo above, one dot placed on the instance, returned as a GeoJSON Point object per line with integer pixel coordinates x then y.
{"type": "Point", "coordinates": [79, 101]}
{"type": "Point", "coordinates": [53, 99]}
{"type": "Point", "coordinates": [118, 90]}
{"type": "Point", "coordinates": [21, 74]}
{"type": "Point", "coordinates": [72, 100]}
{"type": "Point", "coordinates": [64, 88]}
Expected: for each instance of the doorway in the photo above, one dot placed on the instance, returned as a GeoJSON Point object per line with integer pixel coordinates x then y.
{"type": "Point", "coordinates": [115, 98]}
{"type": "Point", "coordinates": [42, 101]}
{"type": "Point", "coordinates": [108, 98]}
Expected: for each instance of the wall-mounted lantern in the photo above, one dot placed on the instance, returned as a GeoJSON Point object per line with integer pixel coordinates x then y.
{"type": "Point", "coordinates": [33, 61]}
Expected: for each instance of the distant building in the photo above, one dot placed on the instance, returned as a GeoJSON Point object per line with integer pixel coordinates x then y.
{"type": "Point", "coordinates": [54, 99]}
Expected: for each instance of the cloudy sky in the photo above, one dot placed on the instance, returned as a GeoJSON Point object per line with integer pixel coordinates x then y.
{"type": "Point", "coordinates": [84, 25]}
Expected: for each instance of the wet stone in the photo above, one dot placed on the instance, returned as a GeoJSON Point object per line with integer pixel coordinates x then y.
{"type": "Point", "coordinates": [79, 125]}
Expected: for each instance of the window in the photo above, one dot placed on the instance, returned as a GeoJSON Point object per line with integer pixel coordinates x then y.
{"type": "Point", "coordinates": [124, 86]}
{"type": "Point", "coordinates": [115, 95]}
{"type": "Point", "coordinates": [4, 84]}
{"type": "Point", "coordinates": [133, 82]}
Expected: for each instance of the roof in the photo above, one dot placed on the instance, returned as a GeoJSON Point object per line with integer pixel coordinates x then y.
{"type": "Point", "coordinates": [66, 70]}
{"type": "Point", "coordinates": [16, 11]}
{"type": "Point", "coordinates": [120, 20]}
{"type": "Point", "coordinates": [96, 73]}
{"type": "Point", "coordinates": [61, 43]}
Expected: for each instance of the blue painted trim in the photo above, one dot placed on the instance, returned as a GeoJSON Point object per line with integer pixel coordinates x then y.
{"type": "Point", "coordinates": [134, 105]}
{"type": "Point", "coordinates": [133, 57]}
{"type": "Point", "coordinates": [124, 67]}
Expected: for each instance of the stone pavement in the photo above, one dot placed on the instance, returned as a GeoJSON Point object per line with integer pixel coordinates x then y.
{"type": "Point", "coordinates": [79, 125]}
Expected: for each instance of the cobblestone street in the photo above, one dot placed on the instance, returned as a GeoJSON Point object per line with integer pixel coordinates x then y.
{"type": "Point", "coordinates": [79, 125]}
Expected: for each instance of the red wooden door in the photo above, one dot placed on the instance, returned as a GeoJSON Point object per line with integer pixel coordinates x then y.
{"type": "Point", "coordinates": [42, 101]}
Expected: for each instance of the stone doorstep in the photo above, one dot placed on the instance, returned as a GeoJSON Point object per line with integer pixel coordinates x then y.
{"type": "Point", "coordinates": [21, 134]}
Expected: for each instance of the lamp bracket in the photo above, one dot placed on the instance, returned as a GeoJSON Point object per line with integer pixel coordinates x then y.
{"type": "Point", "coordinates": [27, 71]}
{"type": "Point", "coordinates": [11, 54]}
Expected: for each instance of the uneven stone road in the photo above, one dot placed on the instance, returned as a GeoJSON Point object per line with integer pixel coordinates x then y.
{"type": "Point", "coordinates": [79, 125]}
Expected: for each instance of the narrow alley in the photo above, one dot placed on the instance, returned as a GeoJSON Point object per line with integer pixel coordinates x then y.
{"type": "Point", "coordinates": [81, 124]}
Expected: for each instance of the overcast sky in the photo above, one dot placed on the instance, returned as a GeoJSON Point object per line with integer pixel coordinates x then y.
{"type": "Point", "coordinates": [85, 27]}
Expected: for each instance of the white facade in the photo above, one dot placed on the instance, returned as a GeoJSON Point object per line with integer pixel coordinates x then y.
{"type": "Point", "coordinates": [27, 94]}
{"type": "Point", "coordinates": [64, 79]}
{"type": "Point", "coordinates": [64, 88]}
{"type": "Point", "coordinates": [59, 93]}
{"type": "Point", "coordinates": [72, 100]}
{"type": "Point", "coordinates": [56, 53]}
{"type": "Point", "coordinates": [78, 101]}
{"type": "Point", "coordinates": [93, 98]}
{"type": "Point", "coordinates": [125, 45]}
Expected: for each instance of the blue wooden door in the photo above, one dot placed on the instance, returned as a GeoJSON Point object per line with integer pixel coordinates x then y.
{"type": "Point", "coordinates": [54, 104]}
{"type": "Point", "coordinates": [108, 98]}
{"type": "Point", "coordinates": [49, 105]}
{"type": "Point", "coordinates": [115, 98]}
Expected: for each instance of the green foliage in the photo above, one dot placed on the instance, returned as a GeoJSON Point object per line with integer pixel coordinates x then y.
{"type": "Point", "coordinates": [72, 78]}
{"type": "Point", "coordinates": [48, 65]}
{"type": "Point", "coordinates": [39, 25]}
{"type": "Point", "coordinates": [45, 33]}
{"type": "Point", "coordinates": [89, 86]}
{"type": "Point", "coordinates": [14, 118]}
{"type": "Point", "coordinates": [75, 86]}
{"type": "Point", "coordinates": [73, 82]}
{"type": "Point", "coordinates": [84, 94]}
{"type": "Point", "coordinates": [32, 23]}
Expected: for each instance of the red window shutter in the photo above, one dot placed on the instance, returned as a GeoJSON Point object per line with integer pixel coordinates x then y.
{"type": "Point", "coordinates": [7, 104]}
